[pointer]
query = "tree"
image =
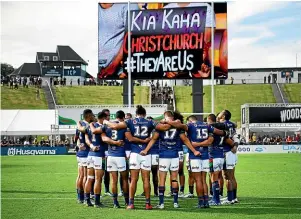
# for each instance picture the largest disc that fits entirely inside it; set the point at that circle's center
(6, 69)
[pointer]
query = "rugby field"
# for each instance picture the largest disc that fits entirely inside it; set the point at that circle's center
(269, 186)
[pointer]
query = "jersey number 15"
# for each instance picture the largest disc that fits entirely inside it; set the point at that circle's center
(202, 133)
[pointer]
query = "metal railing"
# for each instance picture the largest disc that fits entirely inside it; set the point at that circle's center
(280, 91)
(51, 92)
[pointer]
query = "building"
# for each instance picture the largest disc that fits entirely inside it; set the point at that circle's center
(65, 62)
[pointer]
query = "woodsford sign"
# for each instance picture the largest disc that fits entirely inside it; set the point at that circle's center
(275, 115)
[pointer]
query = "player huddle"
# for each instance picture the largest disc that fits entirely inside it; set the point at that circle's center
(140, 145)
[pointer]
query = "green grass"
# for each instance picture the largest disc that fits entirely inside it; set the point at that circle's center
(229, 97)
(44, 187)
(23, 98)
(96, 95)
(293, 92)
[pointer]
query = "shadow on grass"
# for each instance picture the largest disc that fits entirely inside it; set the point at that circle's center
(36, 192)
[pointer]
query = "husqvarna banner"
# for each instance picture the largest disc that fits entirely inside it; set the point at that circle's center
(275, 114)
(31, 150)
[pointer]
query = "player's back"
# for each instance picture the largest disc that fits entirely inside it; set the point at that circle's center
(97, 141)
(169, 141)
(82, 140)
(140, 128)
(198, 132)
(116, 135)
(216, 150)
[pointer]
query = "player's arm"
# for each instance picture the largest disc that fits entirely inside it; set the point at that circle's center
(116, 126)
(233, 144)
(150, 144)
(178, 125)
(188, 144)
(219, 132)
(108, 140)
(89, 143)
(133, 139)
(80, 127)
(205, 143)
(162, 127)
(94, 130)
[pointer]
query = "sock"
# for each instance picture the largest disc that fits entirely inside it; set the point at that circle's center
(78, 194)
(147, 201)
(115, 199)
(82, 195)
(131, 201)
(221, 191)
(161, 194)
(215, 188)
(126, 198)
(97, 199)
(191, 189)
(92, 192)
(87, 197)
(182, 189)
(201, 200)
(230, 195)
(234, 193)
(206, 199)
(175, 192)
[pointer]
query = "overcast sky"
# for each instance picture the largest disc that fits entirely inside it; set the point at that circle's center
(261, 34)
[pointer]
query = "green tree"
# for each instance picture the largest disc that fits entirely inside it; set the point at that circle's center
(6, 69)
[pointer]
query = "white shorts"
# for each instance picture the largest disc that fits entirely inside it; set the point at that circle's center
(155, 159)
(218, 164)
(231, 160)
(195, 165)
(187, 160)
(138, 162)
(166, 164)
(181, 156)
(106, 153)
(94, 162)
(205, 166)
(81, 161)
(116, 164)
(127, 154)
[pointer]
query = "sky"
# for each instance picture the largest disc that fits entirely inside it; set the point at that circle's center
(261, 34)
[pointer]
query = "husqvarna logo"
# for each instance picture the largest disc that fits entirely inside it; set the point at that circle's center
(11, 151)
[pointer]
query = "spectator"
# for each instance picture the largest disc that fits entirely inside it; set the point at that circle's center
(38, 94)
(269, 79)
(51, 81)
(264, 79)
(290, 79)
(232, 80)
(254, 139)
(289, 139)
(71, 82)
(298, 138)
(42, 142)
(4, 142)
(65, 81)
(78, 81)
(26, 143)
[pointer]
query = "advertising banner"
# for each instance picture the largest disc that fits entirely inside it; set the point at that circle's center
(72, 71)
(31, 150)
(275, 114)
(70, 115)
(254, 149)
(54, 72)
(167, 41)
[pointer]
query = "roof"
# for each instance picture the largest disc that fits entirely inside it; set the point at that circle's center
(264, 69)
(24, 122)
(40, 55)
(66, 53)
(28, 69)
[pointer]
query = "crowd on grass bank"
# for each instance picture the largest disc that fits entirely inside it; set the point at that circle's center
(33, 141)
(256, 139)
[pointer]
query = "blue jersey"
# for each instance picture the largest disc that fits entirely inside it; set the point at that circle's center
(180, 145)
(199, 132)
(97, 142)
(140, 128)
(169, 141)
(231, 128)
(82, 141)
(155, 148)
(116, 135)
(216, 150)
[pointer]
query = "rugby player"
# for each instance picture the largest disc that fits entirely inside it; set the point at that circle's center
(199, 132)
(230, 158)
(82, 153)
(116, 161)
(95, 160)
(169, 156)
(138, 133)
(107, 174)
(216, 157)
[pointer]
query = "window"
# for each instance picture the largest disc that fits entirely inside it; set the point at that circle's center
(46, 58)
(55, 58)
